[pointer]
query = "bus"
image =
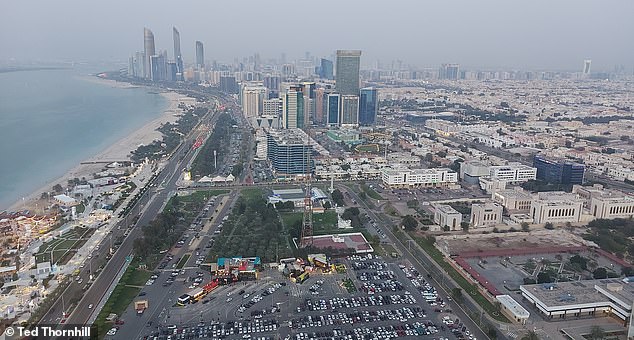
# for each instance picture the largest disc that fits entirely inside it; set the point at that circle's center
(184, 299)
(302, 277)
(196, 294)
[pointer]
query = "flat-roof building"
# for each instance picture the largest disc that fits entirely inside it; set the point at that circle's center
(556, 207)
(486, 214)
(558, 171)
(512, 309)
(582, 298)
(288, 151)
(446, 216)
(406, 178)
(514, 201)
(513, 173)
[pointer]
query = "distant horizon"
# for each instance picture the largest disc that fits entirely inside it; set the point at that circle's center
(60, 63)
(497, 34)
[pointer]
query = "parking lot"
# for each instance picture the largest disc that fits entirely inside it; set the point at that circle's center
(390, 299)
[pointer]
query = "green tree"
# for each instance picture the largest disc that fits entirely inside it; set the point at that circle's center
(412, 203)
(549, 226)
(429, 157)
(531, 335)
(525, 226)
(327, 205)
(363, 195)
(58, 188)
(544, 277)
(596, 333)
(337, 198)
(409, 222)
(456, 294)
(464, 226)
(600, 273)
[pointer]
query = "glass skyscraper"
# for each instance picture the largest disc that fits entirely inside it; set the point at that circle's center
(293, 107)
(326, 69)
(349, 111)
(333, 105)
(148, 46)
(178, 57)
(347, 78)
(368, 106)
(558, 171)
(200, 55)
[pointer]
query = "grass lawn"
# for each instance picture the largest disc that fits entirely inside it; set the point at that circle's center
(122, 295)
(70, 241)
(349, 286)
(323, 223)
(368, 148)
(370, 192)
(251, 193)
(183, 260)
(138, 277)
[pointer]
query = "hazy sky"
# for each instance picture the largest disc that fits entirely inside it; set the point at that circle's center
(535, 34)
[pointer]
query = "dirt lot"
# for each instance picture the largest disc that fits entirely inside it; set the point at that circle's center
(454, 244)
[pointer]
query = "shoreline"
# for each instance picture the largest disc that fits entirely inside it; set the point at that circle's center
(118, 151)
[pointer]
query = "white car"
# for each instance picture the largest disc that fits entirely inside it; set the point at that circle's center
(112, 331)
(90, 306)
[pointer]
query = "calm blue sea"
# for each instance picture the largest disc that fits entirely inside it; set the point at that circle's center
(52, 120)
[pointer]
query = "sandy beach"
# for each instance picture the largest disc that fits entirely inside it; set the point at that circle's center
(118, 151)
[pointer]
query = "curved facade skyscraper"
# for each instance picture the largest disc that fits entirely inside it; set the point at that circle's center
(148, 46)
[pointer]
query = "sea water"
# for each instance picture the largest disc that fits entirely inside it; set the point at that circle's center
(51, 120)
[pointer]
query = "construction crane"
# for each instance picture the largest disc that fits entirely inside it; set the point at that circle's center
(306, 239)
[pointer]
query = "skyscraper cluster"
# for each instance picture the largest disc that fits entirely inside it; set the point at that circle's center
(294, 95)
(156, 66)
(316, 101)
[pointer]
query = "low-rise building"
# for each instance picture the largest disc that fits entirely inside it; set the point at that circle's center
(513, 200)
(407, 178)
(65, 200)
(486, 214)
(612, 205)
(512, 309)
(513, 173)
(446, 216)
(556, 207)
(607, 297)
(471, 171)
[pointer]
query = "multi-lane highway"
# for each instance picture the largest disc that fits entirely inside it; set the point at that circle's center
(149, 206)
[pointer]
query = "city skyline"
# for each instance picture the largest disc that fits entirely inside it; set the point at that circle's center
(543, 37)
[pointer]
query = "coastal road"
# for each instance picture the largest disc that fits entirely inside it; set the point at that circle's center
(160, 298)
(421, 262)
(157, 196)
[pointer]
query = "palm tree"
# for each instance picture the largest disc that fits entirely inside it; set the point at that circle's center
(531, 335)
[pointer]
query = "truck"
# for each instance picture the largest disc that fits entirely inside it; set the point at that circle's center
(140, 306)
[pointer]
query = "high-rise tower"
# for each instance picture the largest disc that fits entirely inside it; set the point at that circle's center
(368, 106)
(347, 77)
(178, 57)
(586, 67)
(200, 55)
(148, 47)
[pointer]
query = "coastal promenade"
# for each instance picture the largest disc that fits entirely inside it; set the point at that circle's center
(147, 207)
